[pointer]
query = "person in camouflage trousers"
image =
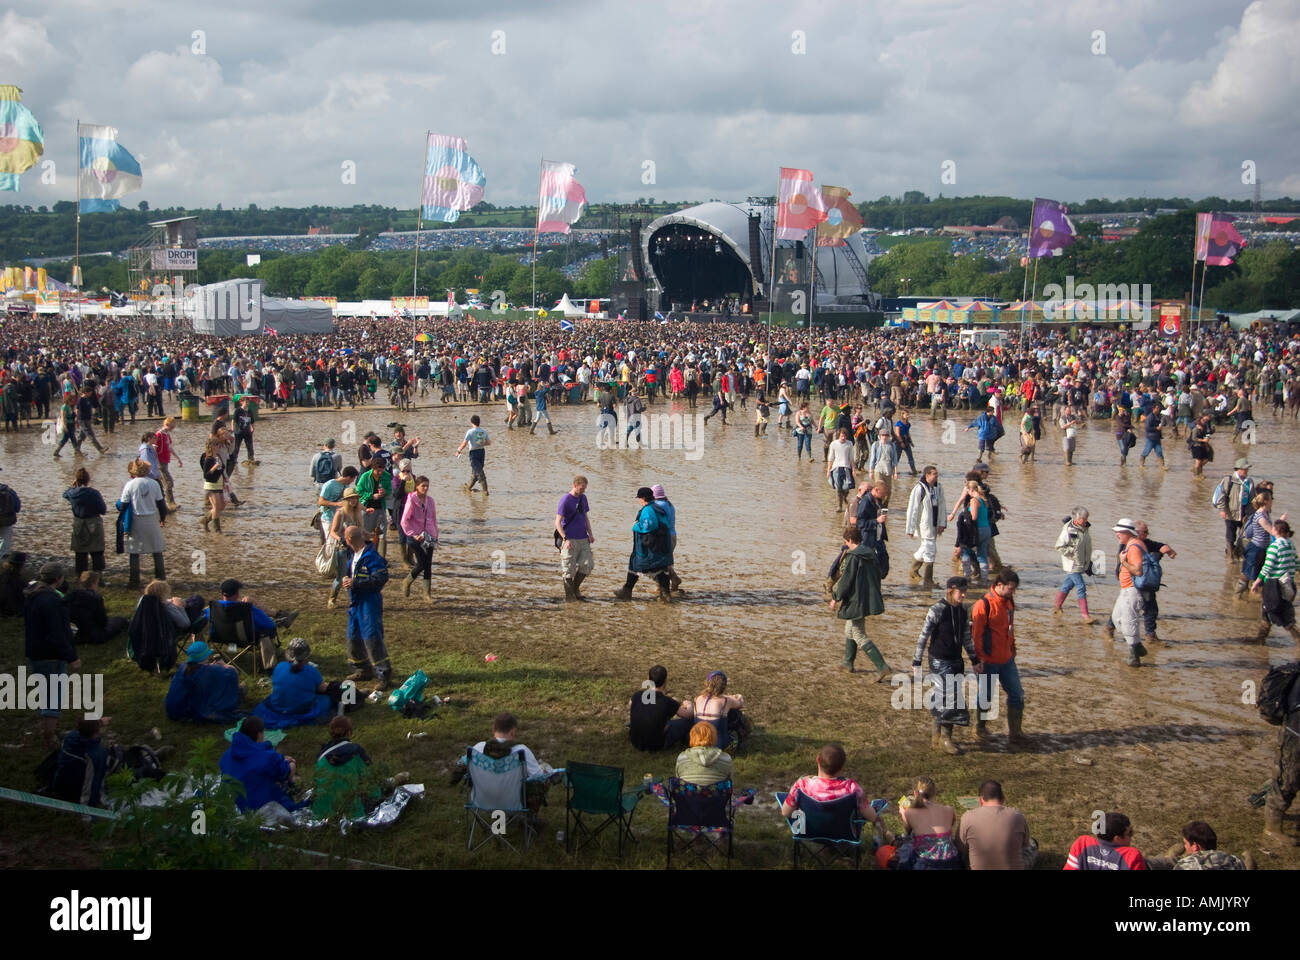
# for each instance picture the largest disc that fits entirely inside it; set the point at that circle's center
(1198, 850)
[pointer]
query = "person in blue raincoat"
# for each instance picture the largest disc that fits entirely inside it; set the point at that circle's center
(990, 429)
(264, 774)
(202, 690)
(365, 578)
(652, 547)
(297, 691)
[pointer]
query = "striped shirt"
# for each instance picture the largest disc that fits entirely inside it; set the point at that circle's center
(1280, 561)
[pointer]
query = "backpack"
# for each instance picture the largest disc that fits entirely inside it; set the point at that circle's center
(1275, 692)
(8, 507)
(999, 431)
(325, 468)
(967, 533)
(1149, 578)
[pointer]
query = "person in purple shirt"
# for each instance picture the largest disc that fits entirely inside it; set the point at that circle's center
(574, 536)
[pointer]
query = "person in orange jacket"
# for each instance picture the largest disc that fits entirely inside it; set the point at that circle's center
(993, 632)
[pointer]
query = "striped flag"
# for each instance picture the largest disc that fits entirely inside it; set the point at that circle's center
(453, 180)
(1217, 240)
(800, 206)
(561, 199)
(21, 140)
(106, 170)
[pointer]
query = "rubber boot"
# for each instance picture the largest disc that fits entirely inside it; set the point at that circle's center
(928, 579)
(982, 730)
(1060, 599)
(623, 593)
(568, 589)
(550, 429)
(1273, 826)
(877, 661)
(134, 566)
(1015, 732)
(936, 736)
(485, 488)
(407, 584)
(1265, 629)
(947, 743)
(216, 524)
(850, 654)
(577, 582)
(1083, 611)
(428, 590)
(665, 594)
(334, 597)
(915, 572)
(383, 673)
(207, 521)
(533, 431)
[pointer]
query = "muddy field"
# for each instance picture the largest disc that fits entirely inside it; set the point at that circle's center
(1166, 743)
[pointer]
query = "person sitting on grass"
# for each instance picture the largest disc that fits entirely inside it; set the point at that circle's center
(88, 613)
(930, 828)
(1111, 849)
(714, 705)
(343, 775)
(82, 765)
(204, 688)
(264, 774)
(298, 691)
(702, 763)
(829, 785)
(656, 720)
(1199, 850)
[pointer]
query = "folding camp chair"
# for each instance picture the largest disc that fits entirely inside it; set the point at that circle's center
(231, 624)
(829, 830)
(595, 791)
(700, 820)
(497, 798)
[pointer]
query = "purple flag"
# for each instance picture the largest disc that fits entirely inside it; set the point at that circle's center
(1050, 230)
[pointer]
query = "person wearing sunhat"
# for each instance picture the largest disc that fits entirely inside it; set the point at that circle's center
(1232, 497)
(1127, 613)
(204, 689)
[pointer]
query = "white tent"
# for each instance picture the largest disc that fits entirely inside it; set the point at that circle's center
(569, 309)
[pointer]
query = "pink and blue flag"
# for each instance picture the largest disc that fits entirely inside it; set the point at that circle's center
(1050, 230)
(1217, 240)
(561, 199)
(21, 140)
(453, 180)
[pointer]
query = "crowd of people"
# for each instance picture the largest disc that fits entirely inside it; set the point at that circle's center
(869, 385)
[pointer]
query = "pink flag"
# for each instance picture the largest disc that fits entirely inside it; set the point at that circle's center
(801, 206)
(561, 199)
(1217, 240)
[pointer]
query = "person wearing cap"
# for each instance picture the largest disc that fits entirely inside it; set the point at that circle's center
(1127, 612)
(651, 548)
(366, 574)
(326, 464)
(298, 691)
(1232, 498)
(266, 627)
(49, 646)
(349, 513)
(662, 500)
(946, 631)
(203, 689)
(882, 463)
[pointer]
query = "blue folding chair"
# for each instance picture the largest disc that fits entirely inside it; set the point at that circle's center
(832, 830)
(497, 798)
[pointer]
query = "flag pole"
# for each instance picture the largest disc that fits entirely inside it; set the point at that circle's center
(419, 221)
(1200, 304)
(76, 256)
(1028, 236)
(812, 278)
(771, 287)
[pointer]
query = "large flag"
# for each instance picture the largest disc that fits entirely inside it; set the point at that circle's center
(842, 218)
(1050, 230)
(561, 199)
(453, 181)
(107, 171)
(21, 140)
(1217, 240)
(800, 206)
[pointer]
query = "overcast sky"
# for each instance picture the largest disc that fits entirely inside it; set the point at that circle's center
(1111, 98)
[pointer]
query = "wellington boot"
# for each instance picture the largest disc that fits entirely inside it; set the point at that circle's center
(533, 431)
(216, 524)
(577, 582)
(623, 593)
(568, 590)
(949, 747)
(334, 598)
(1273, 828)
(928, 579)
(982, 731)
(850, 654)
(428, 590)
(936, 736)
(207, 521)
(877, 661)
(550, 429)
(407, 584)
(1083, 611)
(1015, 732)
(915, 572)
(1060, 599)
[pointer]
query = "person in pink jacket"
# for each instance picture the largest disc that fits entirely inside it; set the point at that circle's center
(420, 524)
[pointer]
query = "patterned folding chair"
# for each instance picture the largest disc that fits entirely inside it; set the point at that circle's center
(829, 831)
(497, 799)
(701, 820)
(597, 792)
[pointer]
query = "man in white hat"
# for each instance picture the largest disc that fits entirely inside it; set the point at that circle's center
(1127, 612)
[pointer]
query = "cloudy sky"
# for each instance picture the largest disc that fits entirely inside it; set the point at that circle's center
(265, 102)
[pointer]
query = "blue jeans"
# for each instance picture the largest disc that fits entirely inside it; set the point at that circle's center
(1009, 676)
(1152, 446)
(1123, 447)
(1074, 580)
(1251, 561)
(803, 441)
